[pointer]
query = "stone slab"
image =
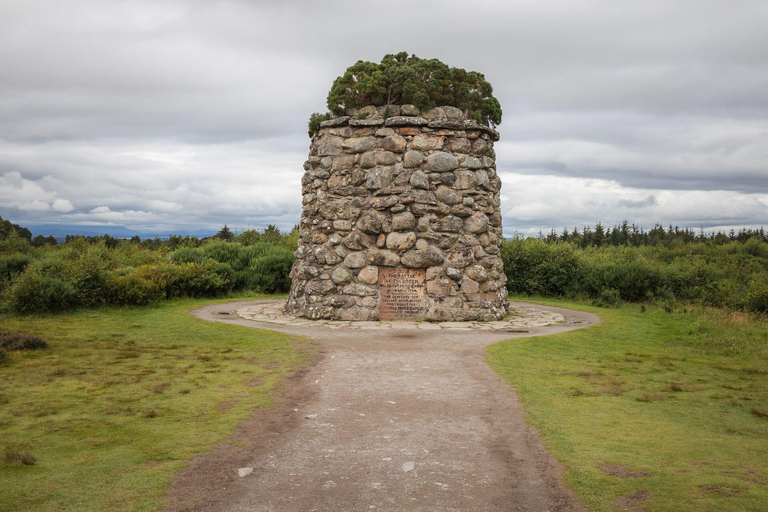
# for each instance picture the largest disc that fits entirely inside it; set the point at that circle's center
(402, 293)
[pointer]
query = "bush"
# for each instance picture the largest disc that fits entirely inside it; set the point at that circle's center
(634, 281)
(426, 83)
(226, 252)
(535, 268)
(187, 255)
(133, 289)
(33, 293)
(88, 277)
(187, 280)
(608, 298)
(15, 340)
(756, 296)
(11, 264)
(270, 271)
(314, 122)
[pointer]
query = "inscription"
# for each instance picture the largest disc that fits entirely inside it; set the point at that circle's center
(401, 293)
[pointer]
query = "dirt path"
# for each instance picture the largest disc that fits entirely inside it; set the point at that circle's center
(387, 419)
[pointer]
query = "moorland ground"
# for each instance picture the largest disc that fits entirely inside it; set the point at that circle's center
(123, 398)
(661, 407)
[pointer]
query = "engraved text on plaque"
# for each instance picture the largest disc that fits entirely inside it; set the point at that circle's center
(401, 293)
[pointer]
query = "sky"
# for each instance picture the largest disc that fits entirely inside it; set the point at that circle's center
(173, 116)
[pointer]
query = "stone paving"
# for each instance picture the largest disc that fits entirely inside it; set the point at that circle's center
(519, 319)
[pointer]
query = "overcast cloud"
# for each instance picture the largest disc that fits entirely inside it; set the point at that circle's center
(168, 116)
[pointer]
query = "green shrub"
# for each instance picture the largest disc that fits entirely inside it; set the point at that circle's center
(226, 252)
(33, 293)
(188, 255)
(188, 279)
(534, 268)
(133, 289)
(756, 247)
(11, 264)
(88, 277)
(427, 83)
(756, 296)
(635, 280)
(608, 298)
(270, 271)
(13, 243)
(314, 122)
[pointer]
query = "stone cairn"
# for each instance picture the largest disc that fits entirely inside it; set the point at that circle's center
(400, 219)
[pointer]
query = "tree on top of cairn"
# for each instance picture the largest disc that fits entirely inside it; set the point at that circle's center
(425, 83)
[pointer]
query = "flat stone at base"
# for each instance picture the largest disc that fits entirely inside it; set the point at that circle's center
(404, 325)
(455, 325)
(519, 321)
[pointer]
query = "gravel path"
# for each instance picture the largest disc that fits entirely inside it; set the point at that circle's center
(391, 417)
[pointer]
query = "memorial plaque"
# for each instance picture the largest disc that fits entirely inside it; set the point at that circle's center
(401, 293)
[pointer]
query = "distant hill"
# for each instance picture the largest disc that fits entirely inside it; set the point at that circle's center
(60, 231)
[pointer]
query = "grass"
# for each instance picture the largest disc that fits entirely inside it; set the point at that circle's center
(652, 409)
(123, 398)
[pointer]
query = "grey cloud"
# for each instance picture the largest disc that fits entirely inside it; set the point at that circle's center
(195, 113)
(628, 203)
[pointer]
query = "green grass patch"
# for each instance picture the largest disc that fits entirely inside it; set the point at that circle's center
(667, 411)
(123, 398)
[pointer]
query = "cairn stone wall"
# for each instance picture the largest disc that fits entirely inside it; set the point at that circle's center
(400, 219)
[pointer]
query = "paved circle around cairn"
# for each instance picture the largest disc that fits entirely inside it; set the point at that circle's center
(519, 318)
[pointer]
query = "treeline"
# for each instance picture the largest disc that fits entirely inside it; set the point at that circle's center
(731, 274)
(88, 272)
(609, 266)
(629, 234)
(271, 234)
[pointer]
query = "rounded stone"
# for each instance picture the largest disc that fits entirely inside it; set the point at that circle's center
(360, 290)
(477, 273)
(419, 180)
(403, 221)
(426, 142)
(355, 260)
(368, 160)
(440, 161)
(384, 132)
(341, 276)
(359, 144)
(370, 223)
(465, 180)
(413, 159)
(342, 225)
(469, 286)
(369, 275)
(423, 258)
(471, 162)
(383, 258)
(394, 143)
(476, 223)
(328, 145)
(385, 158)
(447, 195)
(453, 273)
(451, 224)
(459, 145)
(482, 178)
(401, 241)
